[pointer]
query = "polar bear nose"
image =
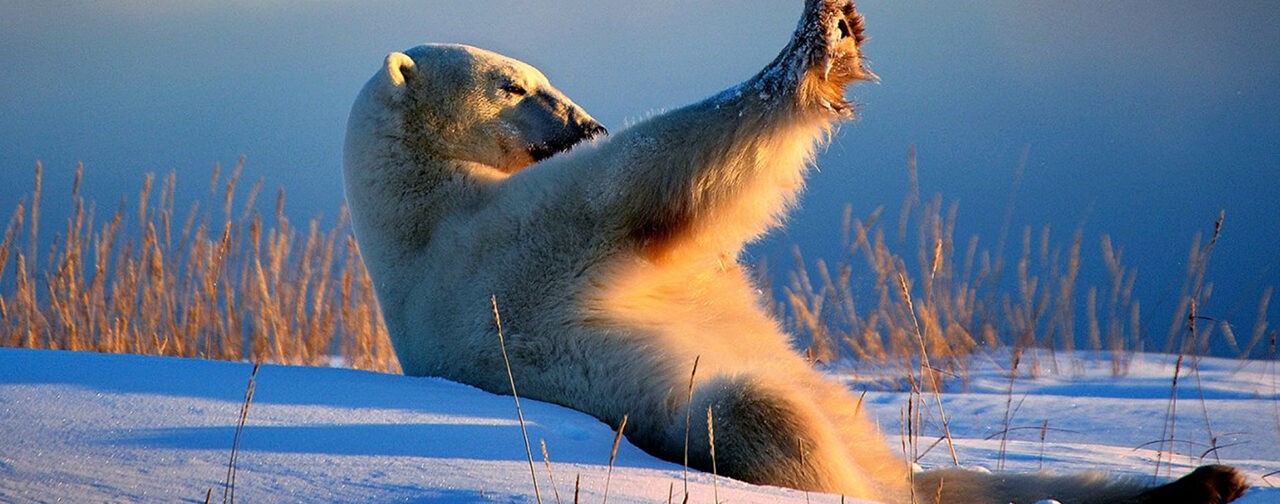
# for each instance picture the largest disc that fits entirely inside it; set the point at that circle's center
(578, 131)
(587, 126)
(592, 129)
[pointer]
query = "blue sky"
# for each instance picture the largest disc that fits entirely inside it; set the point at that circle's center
(1139, 119)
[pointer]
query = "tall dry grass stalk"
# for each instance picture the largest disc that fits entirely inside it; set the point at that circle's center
(613, 456)
(220, 285)
(711, 442)
(229, 484)
(927, 370)
(551, 474)
(688, 418)
(524, 431)
(1192, 343)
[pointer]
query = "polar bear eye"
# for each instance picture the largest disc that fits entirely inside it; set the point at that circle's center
(515, 89)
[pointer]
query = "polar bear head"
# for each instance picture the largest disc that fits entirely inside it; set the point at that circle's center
(433, 128)
(461, 103)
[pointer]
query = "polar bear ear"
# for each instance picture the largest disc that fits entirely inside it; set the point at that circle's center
(400, 68)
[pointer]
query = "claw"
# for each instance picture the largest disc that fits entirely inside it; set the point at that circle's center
(823, 57)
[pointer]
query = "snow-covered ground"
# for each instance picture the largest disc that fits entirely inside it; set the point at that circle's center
(77, 427)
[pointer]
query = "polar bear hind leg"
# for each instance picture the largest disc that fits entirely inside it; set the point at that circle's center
(772, 432)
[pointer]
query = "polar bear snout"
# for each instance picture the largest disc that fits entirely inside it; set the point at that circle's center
(552, 124)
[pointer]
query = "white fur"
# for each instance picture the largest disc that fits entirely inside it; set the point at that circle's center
(614, 267)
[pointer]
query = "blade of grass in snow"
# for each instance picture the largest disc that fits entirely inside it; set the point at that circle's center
(497, 319)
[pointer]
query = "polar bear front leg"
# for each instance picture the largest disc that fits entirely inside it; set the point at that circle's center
(702, 180)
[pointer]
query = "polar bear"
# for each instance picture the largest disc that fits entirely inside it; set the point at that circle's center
(613, 264)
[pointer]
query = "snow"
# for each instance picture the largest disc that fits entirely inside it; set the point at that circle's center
(80, 427)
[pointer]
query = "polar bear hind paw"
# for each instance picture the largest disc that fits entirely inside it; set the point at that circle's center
(1210, 484)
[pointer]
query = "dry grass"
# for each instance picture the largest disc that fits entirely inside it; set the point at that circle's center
(524, 431)
(688, 412)
(551, 474)
(217, 285)
(229, 484)
(873, 305)
(613, 456)
(711, 441)
(227, 282)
